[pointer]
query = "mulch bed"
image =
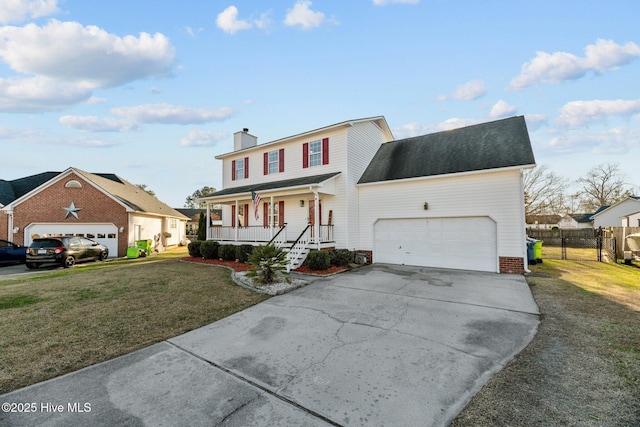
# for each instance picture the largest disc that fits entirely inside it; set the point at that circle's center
(238, 266)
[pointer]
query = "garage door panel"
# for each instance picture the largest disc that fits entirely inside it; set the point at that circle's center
(462, 243)
(106, 234)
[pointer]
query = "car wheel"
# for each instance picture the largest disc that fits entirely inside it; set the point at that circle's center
(32, 265)
(103, 255)
(69, 262)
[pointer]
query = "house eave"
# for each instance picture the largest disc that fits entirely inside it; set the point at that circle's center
(448, 175)
(346, 124)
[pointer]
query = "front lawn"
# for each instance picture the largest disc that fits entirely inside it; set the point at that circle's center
(65, 320)
(583, 366)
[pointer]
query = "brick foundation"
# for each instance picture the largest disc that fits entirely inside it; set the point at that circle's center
(511, 265)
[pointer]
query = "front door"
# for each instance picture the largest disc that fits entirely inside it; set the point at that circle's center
(312, 211)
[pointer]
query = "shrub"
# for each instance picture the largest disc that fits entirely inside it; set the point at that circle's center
(209, 249)
(227, 252)
(243, 252)
(269, 261)
(318, 260)
(341, 257)
(194, 249)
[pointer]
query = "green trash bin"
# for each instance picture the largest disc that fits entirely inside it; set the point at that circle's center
(537, 250)
(144, 245)
(133, 252)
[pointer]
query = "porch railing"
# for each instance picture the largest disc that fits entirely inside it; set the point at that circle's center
(263, 234)
(243, 234)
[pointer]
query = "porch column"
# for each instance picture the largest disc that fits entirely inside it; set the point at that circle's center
(208, 221)
(235, 221)
(316, 218)
(270, 218)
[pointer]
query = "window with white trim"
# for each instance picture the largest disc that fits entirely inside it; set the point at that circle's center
(239, 172)
(274, 162)
(315, 153)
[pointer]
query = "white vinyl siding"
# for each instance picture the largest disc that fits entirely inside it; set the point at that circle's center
(496, 195)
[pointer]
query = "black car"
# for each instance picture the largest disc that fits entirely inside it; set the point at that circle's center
(64, 250)
(11, 253)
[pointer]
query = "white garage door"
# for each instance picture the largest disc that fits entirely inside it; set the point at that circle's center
(107, 234)
(460, 243)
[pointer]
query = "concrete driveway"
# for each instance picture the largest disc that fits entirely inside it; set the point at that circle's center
(379, 346)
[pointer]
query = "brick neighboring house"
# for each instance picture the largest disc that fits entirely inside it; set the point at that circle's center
(103, 207)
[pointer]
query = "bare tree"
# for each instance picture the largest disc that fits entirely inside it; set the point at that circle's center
(603, 186)
(192, 200)
(544, 191)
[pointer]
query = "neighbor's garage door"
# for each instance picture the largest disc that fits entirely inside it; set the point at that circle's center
(107, 234)
(461, 243)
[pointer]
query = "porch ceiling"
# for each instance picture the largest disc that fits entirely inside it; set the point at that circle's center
(289, 186)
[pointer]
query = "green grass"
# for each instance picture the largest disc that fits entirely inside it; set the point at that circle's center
(17, 301)
(586, 285)
(64, 320)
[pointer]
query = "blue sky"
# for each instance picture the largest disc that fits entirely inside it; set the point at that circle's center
(154, 90)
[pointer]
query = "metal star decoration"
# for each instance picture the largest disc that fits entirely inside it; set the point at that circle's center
(72, 210)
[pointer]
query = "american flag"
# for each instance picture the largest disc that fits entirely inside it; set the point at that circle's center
(256, 203)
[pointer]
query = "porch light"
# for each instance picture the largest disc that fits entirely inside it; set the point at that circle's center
(302, 203)
(426, 206)
(16, 229)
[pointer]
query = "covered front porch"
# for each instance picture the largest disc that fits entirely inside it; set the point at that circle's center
(280, 212)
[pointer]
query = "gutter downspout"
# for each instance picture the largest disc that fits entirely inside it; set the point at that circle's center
(208, 221)
(316, 217)
(525, 258)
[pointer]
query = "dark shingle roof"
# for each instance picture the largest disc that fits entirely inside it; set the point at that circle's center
(295, 182)
(498, 144)
(582, 217)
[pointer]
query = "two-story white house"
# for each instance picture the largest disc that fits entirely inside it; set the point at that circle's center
(452, 199)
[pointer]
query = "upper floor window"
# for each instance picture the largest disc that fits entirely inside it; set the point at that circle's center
(274, 161)
(315, 153)
(240, 169)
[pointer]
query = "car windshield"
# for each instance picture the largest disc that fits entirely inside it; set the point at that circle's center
(46, 243)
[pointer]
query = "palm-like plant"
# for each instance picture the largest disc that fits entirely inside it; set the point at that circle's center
(269, 261)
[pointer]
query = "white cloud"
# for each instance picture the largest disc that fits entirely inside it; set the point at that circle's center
(416, 129)
(535, 121)
(384, 2)
(302, 15)
(618, 140)
(87, 55)
(577, 113)
(502, 109)
(172, 114)
(228, 21)
(69, 61)
(12, 11)
(468, 91)
(202, 138)
(39, 94)
(554, 68)
(97, 124)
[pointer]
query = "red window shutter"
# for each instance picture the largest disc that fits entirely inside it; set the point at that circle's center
(281, 213)
(265, 214)
(246, 215)
(281, 160)
(246, 167)
(233, 170)
(305, 155)
(265, 166)
(233, 215)
(325, 151)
